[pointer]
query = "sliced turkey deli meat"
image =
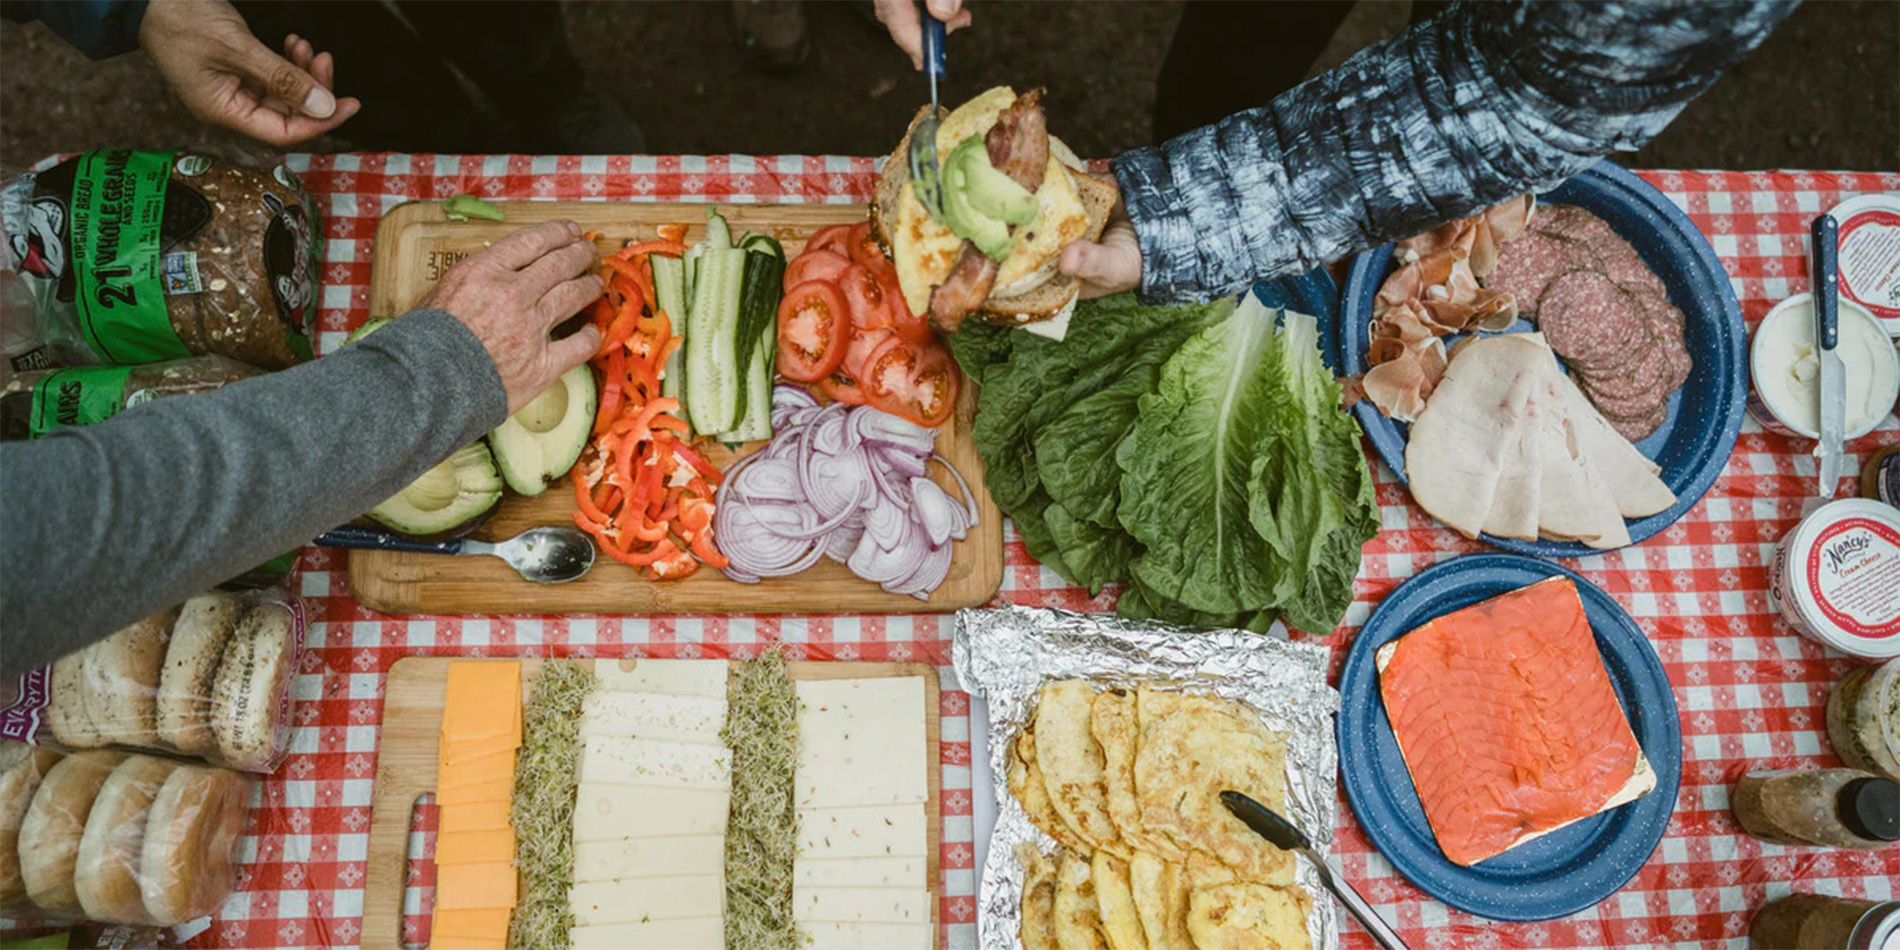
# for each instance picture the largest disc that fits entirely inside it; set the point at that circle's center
(1509, 446)
(1508, 723)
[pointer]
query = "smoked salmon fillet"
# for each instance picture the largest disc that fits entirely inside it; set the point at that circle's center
(1507, 721)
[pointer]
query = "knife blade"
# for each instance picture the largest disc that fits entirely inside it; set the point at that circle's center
(1825, 238)
(1286, 836)
(925, 177)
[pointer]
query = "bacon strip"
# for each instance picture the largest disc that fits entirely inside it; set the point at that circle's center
(1018, 146)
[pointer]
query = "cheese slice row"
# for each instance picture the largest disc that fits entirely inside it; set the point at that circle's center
(651, 808)
(476, 886)
(861, 878)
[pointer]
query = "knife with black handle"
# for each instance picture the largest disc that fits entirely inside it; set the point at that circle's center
(1825, 241)
(1282, 834)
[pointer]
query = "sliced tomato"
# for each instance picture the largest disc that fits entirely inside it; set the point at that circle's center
(821, 264)
(910, 326)
(857, 354)
(918, 382)
(840, 389)
(813, 331)
(836, 237)
(865, 299)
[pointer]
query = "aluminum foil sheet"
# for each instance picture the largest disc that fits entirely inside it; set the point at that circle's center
(1007, 654)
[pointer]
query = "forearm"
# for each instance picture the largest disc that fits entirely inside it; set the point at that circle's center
(102, 525)
(1450, 117)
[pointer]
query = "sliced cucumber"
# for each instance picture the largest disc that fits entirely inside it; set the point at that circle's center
(669, 284)
(718, 233)
(763, 244)
(756, 422)
(713, 375)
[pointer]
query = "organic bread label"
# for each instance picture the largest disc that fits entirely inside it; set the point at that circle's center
(118, 206)
(76, 397)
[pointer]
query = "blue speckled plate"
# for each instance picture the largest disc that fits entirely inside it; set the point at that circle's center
(1562, 872)
(1694, 443)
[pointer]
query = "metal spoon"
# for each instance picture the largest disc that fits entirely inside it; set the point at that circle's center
(1282, 834)
(545, 555)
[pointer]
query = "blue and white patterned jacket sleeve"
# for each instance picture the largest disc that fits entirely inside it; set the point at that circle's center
(1458, 113)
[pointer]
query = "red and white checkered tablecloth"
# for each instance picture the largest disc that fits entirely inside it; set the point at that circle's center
(1750, 691)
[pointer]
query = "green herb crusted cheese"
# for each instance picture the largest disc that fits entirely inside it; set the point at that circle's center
(762, 827)
(546, 775)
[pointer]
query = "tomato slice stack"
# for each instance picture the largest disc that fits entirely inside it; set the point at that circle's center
(844, 325)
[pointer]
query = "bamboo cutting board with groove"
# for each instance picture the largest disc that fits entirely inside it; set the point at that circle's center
(406, 770)
(415, 245)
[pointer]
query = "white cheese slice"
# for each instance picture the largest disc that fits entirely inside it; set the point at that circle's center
(630, 858)
(670, 677)
(875, 905)
(1055, 328)
(652, 762)
(678, 897)
(855, 936)
(906, 871)
(861, 742)
(699, 933)
(605, 812)
(871, 831)
(653, 716)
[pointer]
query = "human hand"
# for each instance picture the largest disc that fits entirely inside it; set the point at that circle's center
(1108, 267)
(226, 77)
(900, 17)
(511, 294)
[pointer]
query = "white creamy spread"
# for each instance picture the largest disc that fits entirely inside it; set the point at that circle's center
(1787, 367)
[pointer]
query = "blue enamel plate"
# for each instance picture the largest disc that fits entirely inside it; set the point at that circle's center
(1559, 873)
(1694, 442)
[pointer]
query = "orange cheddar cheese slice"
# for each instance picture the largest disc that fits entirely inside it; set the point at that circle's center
(496, 764)
(475, 847)
(489, 884)
(473, 816)
(479, 923)
(482, 706)
(493, 789)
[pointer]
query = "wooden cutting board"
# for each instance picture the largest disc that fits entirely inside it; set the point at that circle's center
(415, 245)
(406, 770)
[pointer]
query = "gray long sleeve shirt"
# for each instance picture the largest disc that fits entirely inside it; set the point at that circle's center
(102, 525)
(1458, 113)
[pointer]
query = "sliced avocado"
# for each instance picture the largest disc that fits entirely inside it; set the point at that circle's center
(542, 440)
(449, 500)
(990, 235)
(992, 193)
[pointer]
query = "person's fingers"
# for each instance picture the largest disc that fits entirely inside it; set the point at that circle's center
(567, 298)
(572, 351)
(1103, 269)
(900, 18)
(283, 81)
(275, 128)
(945, 10)
(561, 264)
(957, 22)
(527, 245)
(324, 68)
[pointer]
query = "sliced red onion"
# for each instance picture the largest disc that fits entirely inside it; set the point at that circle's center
(935, 511)
(881, 565)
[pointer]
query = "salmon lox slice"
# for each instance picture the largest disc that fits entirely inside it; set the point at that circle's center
(1507, 721)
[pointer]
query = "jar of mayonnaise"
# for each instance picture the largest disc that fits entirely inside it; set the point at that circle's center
(1785, 368)
(1836, 577)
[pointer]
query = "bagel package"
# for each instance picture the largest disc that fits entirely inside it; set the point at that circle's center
(209, 679)
(117, 837)
(136, 257)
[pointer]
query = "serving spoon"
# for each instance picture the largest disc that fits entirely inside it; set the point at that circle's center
(550, 554)
(1283, 834)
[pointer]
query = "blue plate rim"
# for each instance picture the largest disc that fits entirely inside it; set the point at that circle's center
(1711, 452)
(1362, 710)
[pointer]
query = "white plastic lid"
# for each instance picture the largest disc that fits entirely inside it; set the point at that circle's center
(1844, 575)
(1870, 256)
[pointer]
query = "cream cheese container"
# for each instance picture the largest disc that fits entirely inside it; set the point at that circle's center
(1870, 256)
(1784, 368)
(1836, 577)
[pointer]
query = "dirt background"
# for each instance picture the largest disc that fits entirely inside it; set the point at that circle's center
(1824, 92)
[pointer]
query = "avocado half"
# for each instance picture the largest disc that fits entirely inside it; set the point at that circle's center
(449, 500)
(543, 439)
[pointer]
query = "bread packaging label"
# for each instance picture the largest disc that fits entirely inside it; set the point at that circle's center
(209, 679)
(136, 257)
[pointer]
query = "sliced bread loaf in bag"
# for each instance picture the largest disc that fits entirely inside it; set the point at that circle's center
(55, 825)
(107, 693)
(248, 698)
(205, 624)
(188, 863)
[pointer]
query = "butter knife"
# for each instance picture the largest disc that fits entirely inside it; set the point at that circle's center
(925, 177)
(1282, 834)
(1825, 238)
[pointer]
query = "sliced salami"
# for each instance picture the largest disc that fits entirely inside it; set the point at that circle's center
(1585, 316)
(1528, 265)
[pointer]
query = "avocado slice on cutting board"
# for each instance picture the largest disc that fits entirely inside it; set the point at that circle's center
(449, 500)
(542, 440)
